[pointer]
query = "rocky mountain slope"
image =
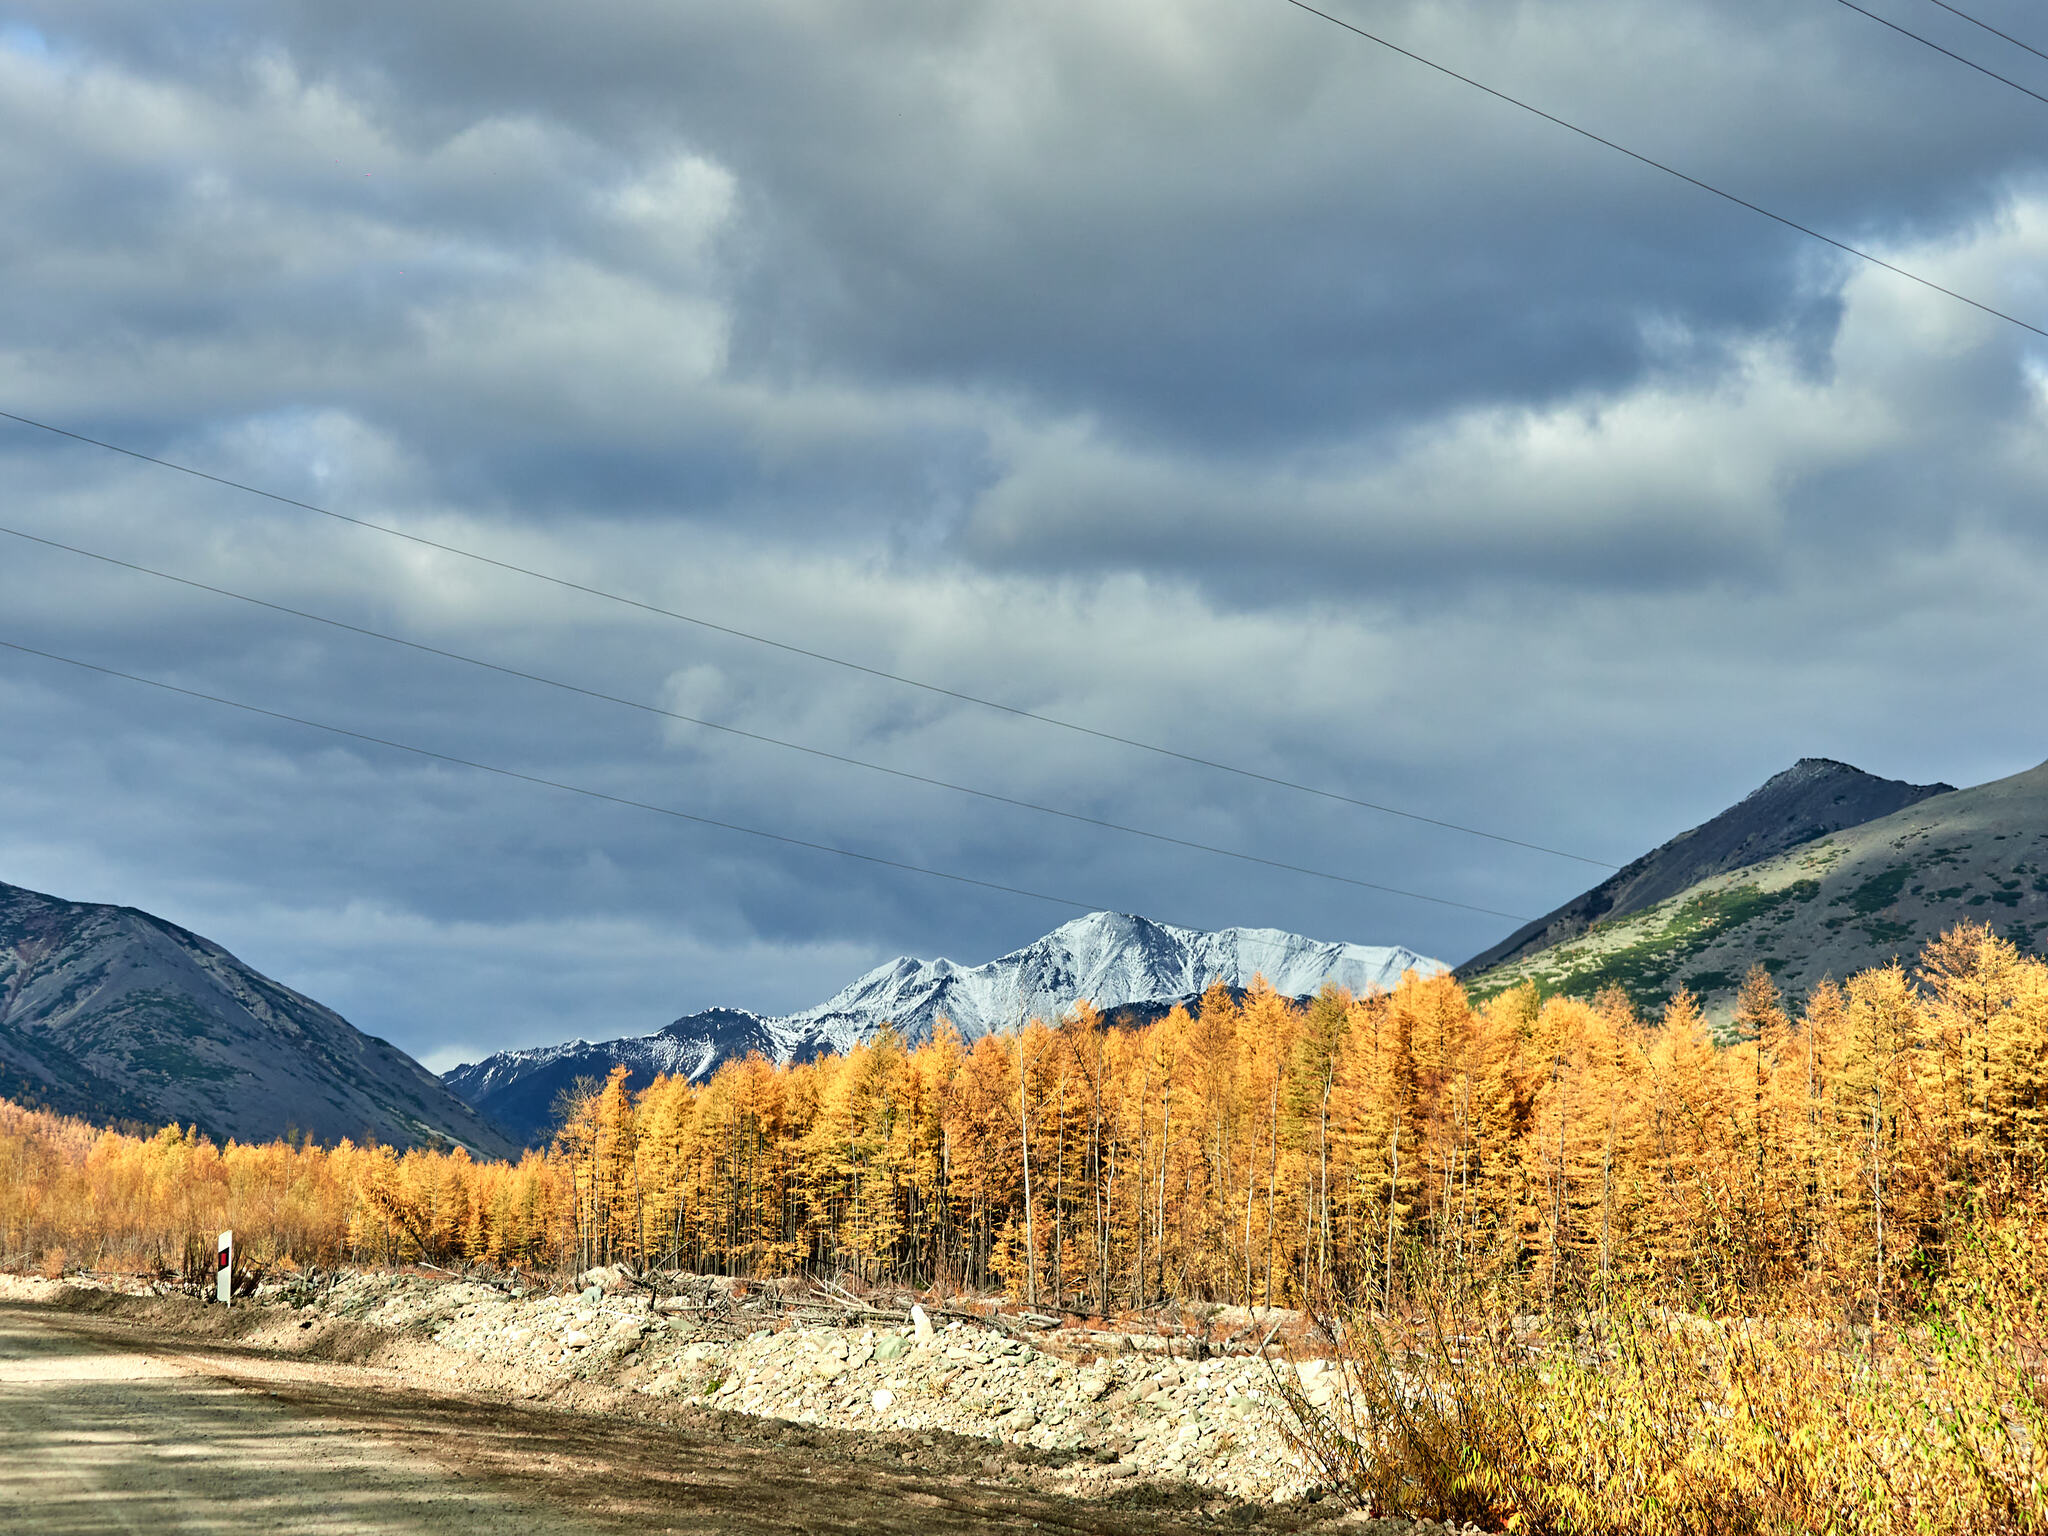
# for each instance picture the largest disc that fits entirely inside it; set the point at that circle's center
(1829, 906)
(112, 1014)
(1812, 798)
(1113, 960)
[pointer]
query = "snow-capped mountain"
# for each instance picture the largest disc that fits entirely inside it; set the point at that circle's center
(1113, 960)
(1107, 957)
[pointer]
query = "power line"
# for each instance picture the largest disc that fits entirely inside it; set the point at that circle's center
(713, 725)
(1670, 170)
(528, 778)
(1973, 21)
(1044, 719)
(798, 650)
(640, 805)
(1928, 42)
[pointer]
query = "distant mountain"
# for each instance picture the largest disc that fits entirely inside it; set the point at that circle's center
(114, 1015)
(1812, 798)
(1115, 961)
(518, 1090)
(1828, 906)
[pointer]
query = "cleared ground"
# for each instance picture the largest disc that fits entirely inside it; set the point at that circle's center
(111, 1425)
(98, 1436)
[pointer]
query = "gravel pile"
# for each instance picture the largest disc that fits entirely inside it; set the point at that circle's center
(1218, 1424)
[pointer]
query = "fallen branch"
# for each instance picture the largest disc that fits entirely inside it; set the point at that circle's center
(995, 1322)
(1271, 1334)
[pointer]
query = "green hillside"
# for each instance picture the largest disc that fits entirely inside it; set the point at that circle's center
(1852, 899)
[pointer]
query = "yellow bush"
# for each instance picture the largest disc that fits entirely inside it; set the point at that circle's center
(1634, 1419)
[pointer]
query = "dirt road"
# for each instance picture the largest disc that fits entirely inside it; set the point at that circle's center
(107, 1425)
(100, 1436)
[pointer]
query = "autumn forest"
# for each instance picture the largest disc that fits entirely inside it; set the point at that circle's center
(1253, 1150)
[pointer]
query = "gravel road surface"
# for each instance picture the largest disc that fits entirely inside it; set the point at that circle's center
(98, 1435)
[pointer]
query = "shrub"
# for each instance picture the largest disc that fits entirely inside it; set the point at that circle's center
(1636, 1419)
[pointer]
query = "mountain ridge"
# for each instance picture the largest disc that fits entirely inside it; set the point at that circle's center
(1115, 960)
(114, 1014)
(1809, 800)
(1857, 897)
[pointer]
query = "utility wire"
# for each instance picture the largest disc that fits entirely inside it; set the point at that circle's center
(1929, 42)
(1669, 170)
(1973, 21)
(798, 650)
(528, 778)
(713, 725)
(1372, 37)
(640, 805)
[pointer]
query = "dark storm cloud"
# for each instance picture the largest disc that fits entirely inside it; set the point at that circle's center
(1205, 223)
(1193, 371)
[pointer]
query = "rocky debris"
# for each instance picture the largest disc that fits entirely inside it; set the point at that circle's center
(1101, 1421)
(1217, 1423)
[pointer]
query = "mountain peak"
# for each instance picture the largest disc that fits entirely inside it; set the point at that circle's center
(1115, 960)
(1111, 958)
(1874, 890)
(112, 1013)
(1805, 771)
(1809, 800)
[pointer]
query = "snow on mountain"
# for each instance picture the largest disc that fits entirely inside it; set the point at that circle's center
(1107, 957)
(1111, 959)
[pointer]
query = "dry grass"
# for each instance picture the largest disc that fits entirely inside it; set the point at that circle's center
(1632, 1419)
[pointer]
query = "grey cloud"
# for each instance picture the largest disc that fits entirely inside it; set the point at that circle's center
(1238, 229)
(1184, 371)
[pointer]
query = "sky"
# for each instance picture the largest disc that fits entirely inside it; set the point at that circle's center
(1190, 371)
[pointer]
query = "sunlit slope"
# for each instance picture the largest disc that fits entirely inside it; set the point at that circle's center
(1852, 899)
(1812, 798)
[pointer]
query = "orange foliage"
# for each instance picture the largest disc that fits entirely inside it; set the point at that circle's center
(1251, 1151)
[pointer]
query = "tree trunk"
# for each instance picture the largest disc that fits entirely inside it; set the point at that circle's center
(1024, 1133)
(1393, 1197)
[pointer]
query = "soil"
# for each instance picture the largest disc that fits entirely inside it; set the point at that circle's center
(363, 1428)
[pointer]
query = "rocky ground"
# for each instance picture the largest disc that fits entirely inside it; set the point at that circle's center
(1105, 1408)
(1089, 1413)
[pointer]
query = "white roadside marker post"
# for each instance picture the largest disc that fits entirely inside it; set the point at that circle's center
(224, 1270)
